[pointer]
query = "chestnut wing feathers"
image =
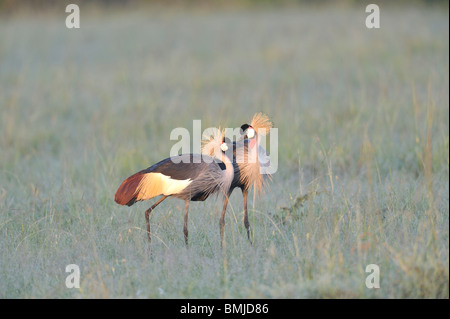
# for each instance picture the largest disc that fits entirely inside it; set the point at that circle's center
(184, 176)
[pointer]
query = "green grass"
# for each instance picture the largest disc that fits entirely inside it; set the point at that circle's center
(363, 119)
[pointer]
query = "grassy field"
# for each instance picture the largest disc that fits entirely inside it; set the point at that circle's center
(363, 120)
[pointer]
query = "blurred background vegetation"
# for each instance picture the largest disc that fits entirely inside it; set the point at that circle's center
(10, 6)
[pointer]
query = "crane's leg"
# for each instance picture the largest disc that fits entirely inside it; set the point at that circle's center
(185, 223)
(147, 215)
(222, 219)
(246, 223)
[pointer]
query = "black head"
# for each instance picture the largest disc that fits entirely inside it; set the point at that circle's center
(226, 140)
(248, 131)
(244, 127)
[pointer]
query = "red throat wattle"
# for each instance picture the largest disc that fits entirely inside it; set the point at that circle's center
(252, 142)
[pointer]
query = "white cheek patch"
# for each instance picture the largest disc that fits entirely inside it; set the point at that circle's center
(224, 147)
(250, 133)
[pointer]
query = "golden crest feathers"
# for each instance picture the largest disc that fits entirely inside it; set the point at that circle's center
(261, 123)
(212, 141)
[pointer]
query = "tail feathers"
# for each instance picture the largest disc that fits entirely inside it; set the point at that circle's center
(128, 192)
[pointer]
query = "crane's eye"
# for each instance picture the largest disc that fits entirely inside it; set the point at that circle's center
(250, 132)
(224, 147)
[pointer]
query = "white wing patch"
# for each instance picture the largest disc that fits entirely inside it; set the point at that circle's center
(154, 184)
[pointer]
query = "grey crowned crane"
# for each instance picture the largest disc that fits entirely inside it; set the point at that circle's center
(190, 177)
(249, 161)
